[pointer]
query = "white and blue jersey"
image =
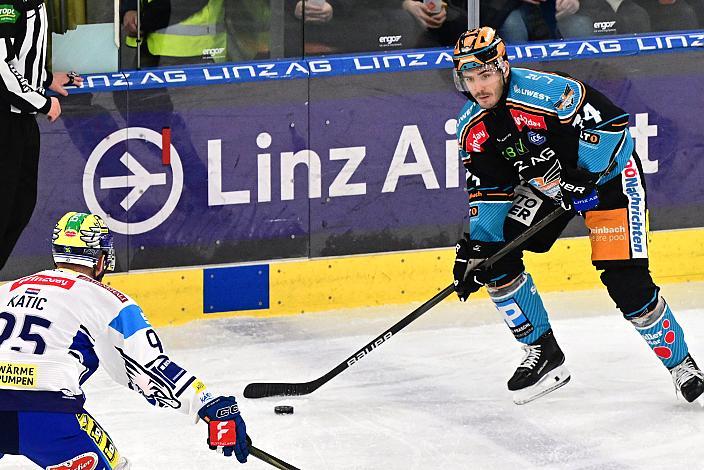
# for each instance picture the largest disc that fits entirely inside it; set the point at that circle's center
(58, 325)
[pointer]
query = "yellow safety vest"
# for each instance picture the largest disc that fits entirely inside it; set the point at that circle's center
(200, 35)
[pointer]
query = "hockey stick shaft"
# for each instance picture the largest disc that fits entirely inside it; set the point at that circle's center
(270, 459)
(260, 390)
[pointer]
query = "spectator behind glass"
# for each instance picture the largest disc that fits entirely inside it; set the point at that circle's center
(318, 27)
(531, 20)
(670, 15)
(176, 31)
(526, 20)
(572, 21)
(439, 28)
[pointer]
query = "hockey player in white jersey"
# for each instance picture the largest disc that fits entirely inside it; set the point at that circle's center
(56, 327)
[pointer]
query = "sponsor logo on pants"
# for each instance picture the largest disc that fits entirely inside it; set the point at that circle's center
(87, 461)
(515, 318)
(637, 223)
(608, 234)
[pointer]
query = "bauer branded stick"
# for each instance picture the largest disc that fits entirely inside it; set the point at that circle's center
(268, 458)
(260, 390)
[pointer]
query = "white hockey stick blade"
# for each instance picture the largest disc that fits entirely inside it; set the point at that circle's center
(553, 380)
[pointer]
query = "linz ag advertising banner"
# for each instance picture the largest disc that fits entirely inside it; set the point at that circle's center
(349, 164)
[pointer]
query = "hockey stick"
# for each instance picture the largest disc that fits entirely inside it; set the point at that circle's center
(260, 390)
(268, 458)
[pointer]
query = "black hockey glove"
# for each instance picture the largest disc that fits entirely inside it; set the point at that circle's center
(468, 254)
(578, 188)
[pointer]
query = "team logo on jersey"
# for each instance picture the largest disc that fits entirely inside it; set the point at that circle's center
(87, 461)
(549, 183)
(533, 121)
(149, 382)
(566, 99)
(476, 137)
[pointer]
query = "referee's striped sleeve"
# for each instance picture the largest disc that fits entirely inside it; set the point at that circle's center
(14, 88)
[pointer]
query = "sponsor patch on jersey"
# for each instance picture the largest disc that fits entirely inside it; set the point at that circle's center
(523, 119)
(87, 461)
(8, 14)
(16, 375)
(171, 371)
(123, 298)
(536, 139)
(42, 280)
(476, 137)
(198, 386)
(566, 100)
(591, 138)
(525, 206)
(608, 234)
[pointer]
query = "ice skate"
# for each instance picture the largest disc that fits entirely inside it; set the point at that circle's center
(689, 380)
(541, 371)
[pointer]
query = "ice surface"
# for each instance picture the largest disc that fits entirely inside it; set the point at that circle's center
(433, 397)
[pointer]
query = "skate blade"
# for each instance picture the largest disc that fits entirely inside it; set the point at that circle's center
(555, 379)
(700, 400)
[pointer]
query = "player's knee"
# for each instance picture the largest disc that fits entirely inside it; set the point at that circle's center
(650, 315)
(506, 287)
(632, 289)
(503, 272)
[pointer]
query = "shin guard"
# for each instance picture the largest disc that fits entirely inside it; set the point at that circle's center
(663, 334)
(522, 307)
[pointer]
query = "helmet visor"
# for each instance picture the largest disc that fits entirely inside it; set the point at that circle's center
(463, 78)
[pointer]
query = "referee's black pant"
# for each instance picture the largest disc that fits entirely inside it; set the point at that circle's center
(19, 165)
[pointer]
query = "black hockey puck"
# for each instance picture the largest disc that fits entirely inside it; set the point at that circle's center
(283, 410)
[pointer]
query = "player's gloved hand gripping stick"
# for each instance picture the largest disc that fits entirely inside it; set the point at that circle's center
(228, 433)
(259, 390)
(226, 428)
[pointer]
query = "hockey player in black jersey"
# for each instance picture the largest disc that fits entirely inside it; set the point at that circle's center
(532, 140)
